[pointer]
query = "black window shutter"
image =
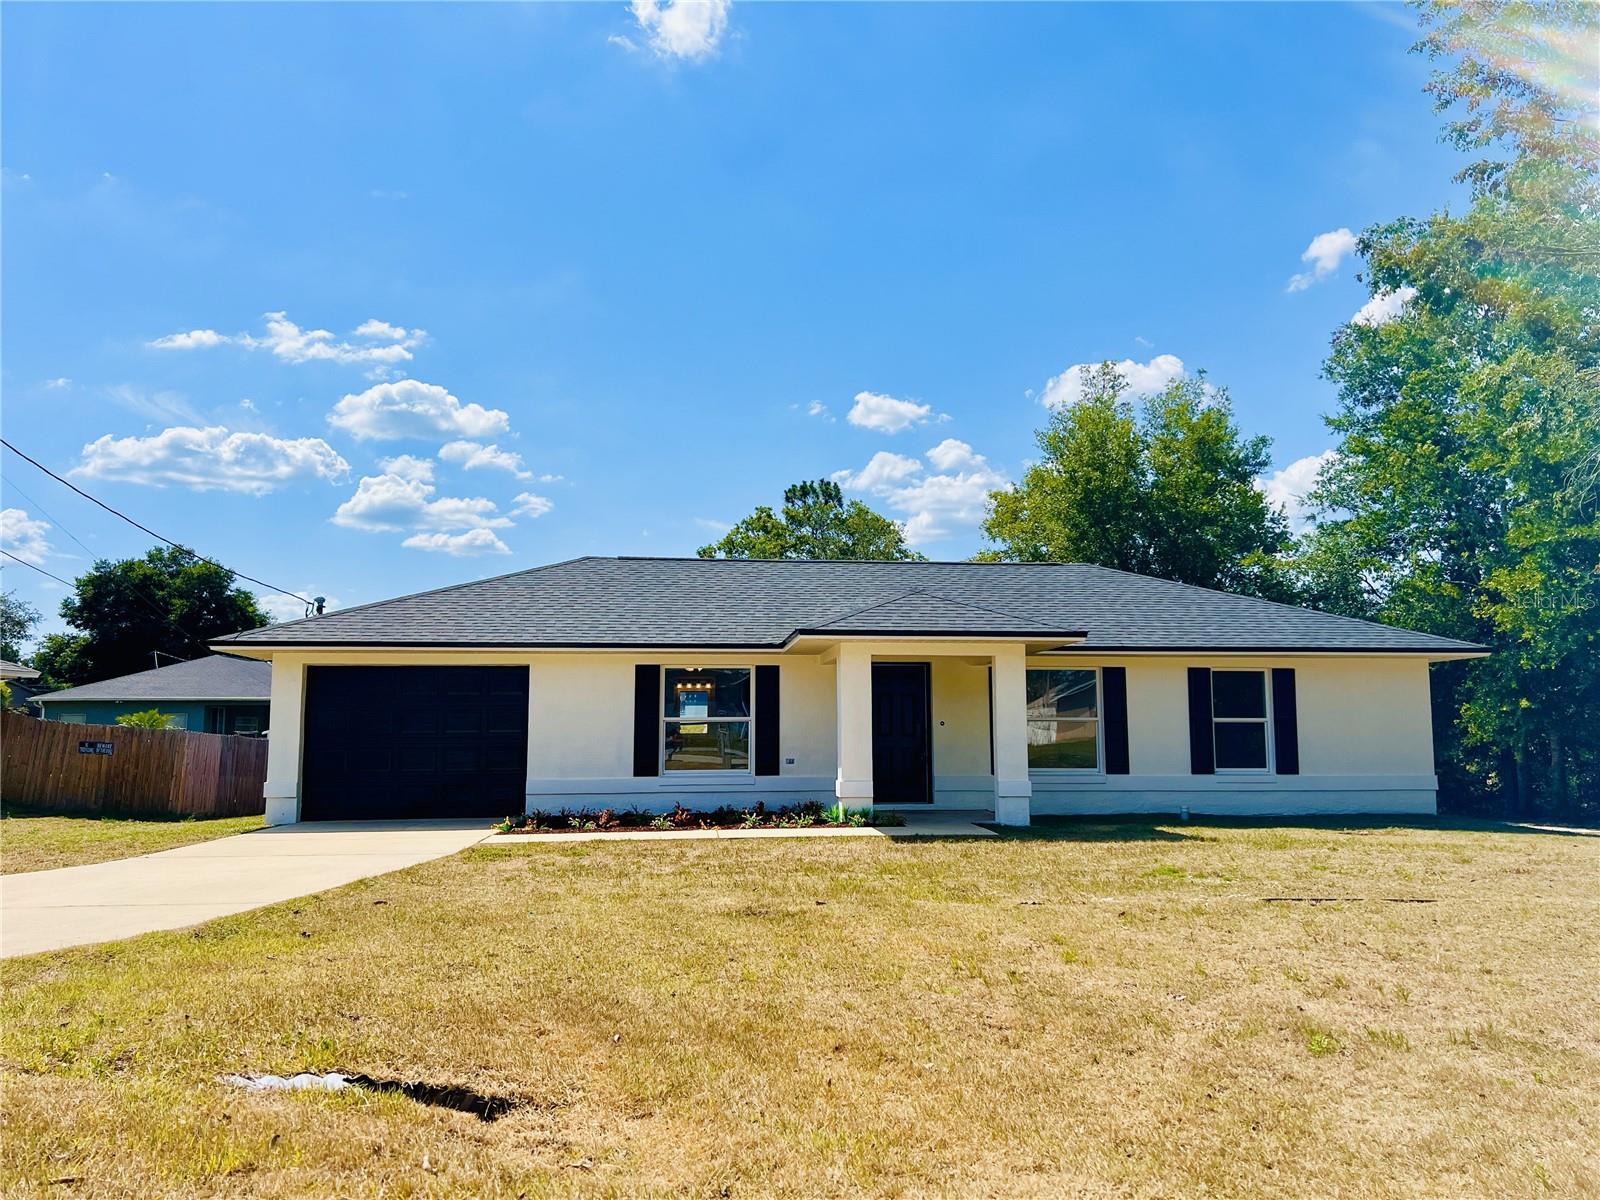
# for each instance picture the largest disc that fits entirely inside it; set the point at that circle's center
(647, 719)
(1285, 722)
(767, 721)
(1202, 754)
(1114, 683)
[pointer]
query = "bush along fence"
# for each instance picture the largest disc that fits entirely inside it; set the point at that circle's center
(111, 769)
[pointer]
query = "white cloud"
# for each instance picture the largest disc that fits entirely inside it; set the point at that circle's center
(57, 384)
(23, 536)
(872, 410)
(458, 545)
(286, 608)
(164, 407)
(1384, 306)
(392, 503)
(408, 466)
(1287, 488)
(1324, 254)
(409, 408)
(883, 470)
(687, 29)
(195, 339)
(211, 459)
(711, 525)
(1066, 389)
(374, 328)
(473, 456)
(933, 506)
(953, 454)
(818, 409)
(292, 344)
(527, 504)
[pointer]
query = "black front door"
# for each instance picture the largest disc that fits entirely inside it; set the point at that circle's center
(902, 746)
(414, 742)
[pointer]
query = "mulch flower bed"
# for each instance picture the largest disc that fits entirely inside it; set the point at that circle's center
(606, 820)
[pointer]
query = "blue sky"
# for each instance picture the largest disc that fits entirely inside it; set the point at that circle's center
(560, 280)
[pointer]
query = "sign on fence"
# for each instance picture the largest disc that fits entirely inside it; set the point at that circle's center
(58, 767)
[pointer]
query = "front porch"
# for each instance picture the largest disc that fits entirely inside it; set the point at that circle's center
(925, 726)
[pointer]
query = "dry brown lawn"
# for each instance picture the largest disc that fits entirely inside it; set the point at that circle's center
(39, 841)
(1110, 1010)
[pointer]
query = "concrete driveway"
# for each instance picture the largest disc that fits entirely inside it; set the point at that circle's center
(74, 906)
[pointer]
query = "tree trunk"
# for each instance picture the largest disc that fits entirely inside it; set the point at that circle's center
(1558, 774)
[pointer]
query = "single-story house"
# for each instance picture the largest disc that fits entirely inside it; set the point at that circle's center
(12, 672)
(1013, 687)
(216, 694)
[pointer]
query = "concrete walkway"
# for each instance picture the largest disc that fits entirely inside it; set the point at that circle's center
(74, 906)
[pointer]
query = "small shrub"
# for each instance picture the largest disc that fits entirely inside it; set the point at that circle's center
(150, 718)
(1319, 1042)
(661, 821)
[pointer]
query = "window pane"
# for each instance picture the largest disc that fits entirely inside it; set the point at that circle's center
(718, 746)
(1053, 744)
(1061, 694)
(1238, 694)
(1241, 745)
(712, 692)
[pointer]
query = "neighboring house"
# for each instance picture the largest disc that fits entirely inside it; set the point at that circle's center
(1021, 688)
(23, 683)
(217, 694)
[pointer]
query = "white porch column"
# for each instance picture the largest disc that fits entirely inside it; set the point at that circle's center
(853, 711)
(1013, 793)
(282, 789)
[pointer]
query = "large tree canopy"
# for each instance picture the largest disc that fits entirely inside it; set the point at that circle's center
(1462, 499)
(168, 601)
(1168, 490)
(816, 522)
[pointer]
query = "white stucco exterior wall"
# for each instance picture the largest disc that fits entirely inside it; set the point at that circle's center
(1365, 736)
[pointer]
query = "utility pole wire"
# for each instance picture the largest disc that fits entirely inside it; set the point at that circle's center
(146, 529)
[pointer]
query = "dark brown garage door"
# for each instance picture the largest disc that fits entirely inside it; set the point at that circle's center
(391, 742)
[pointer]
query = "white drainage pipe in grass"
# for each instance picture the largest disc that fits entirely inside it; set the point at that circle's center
(304, 1082)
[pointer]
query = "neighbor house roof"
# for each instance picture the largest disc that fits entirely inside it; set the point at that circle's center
(760, 604)
(11, 670)
(216, 677)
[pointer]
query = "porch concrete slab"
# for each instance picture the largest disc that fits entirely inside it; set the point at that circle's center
(76, 906)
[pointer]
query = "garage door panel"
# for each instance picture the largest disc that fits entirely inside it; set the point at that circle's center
(386, 742)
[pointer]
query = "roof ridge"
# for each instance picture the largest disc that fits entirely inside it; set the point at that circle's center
(854, 612)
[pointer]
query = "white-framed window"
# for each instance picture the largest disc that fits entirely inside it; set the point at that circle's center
(1240, 738)
(73, 718)
(177, 720)
(1064, 719)
(706, 717)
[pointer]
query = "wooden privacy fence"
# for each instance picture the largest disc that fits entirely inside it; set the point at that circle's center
(115, 770)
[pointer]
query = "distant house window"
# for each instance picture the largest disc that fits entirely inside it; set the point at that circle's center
(1239, 719)
(177, 720)
(247, 725)
(73, 718)
(1064, 720)
(706, 712)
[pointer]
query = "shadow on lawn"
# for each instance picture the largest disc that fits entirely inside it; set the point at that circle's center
(1170, 827)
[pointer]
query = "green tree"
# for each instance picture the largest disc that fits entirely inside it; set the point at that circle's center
(150, 718)
(1463, 495)
(168, 601)
(1168, 490)
(17, 621)
(816, 523)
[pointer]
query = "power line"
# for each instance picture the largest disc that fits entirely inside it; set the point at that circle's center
(138, 593)
(146, 529)
(32, 567)
(39, 508)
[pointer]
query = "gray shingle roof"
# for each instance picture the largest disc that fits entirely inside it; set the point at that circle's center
(216, 677)
(709, 603)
